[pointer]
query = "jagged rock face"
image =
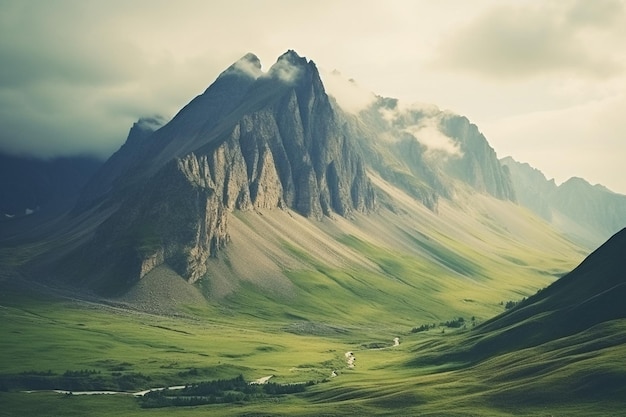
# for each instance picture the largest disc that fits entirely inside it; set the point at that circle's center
(274, 142)
(178, 219)
(532, 189)
(478, 165)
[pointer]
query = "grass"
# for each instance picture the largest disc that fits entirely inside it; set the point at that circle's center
(59, 335)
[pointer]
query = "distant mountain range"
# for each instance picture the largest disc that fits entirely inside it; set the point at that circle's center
(28, 185)
(588, 213)
(34, 191)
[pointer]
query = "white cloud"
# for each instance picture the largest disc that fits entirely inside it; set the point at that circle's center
(285, 70)
(428, 133)
(249, 65)
(350, 96)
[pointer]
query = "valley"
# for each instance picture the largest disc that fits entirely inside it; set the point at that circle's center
(308, 300)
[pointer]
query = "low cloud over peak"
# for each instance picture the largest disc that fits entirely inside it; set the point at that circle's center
(350, 96)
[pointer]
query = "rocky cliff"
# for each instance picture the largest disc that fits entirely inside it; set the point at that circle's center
(477, 163)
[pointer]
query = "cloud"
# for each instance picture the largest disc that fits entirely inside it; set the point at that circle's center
(350, 96)
(524, 40)
(249, 65)
(423, 122)
(428, 133)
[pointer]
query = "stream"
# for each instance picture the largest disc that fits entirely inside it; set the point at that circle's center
(134, 394)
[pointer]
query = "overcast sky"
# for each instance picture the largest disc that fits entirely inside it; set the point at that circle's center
(544, 80)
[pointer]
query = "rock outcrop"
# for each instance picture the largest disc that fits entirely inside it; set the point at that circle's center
(478, 164)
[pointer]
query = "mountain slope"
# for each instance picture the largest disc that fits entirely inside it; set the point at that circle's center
(562, 347)
(428, 152)
(589, 295)
(119, 163)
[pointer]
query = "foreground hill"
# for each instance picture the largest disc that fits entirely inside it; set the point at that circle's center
(563, 345)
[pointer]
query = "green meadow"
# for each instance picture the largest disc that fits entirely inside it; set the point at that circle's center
(54, 336)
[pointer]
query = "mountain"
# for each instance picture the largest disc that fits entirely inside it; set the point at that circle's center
(116, 166)
(251, 141)
(429, 152)
(33, 190)
(588, 213)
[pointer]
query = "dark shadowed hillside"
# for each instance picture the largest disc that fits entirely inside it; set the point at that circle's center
(591, 294)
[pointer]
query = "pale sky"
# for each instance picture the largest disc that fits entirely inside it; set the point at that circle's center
(544, 80)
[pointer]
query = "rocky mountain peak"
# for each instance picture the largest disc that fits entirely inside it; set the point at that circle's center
(248, 65)
(251, 141)
(292, 69)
